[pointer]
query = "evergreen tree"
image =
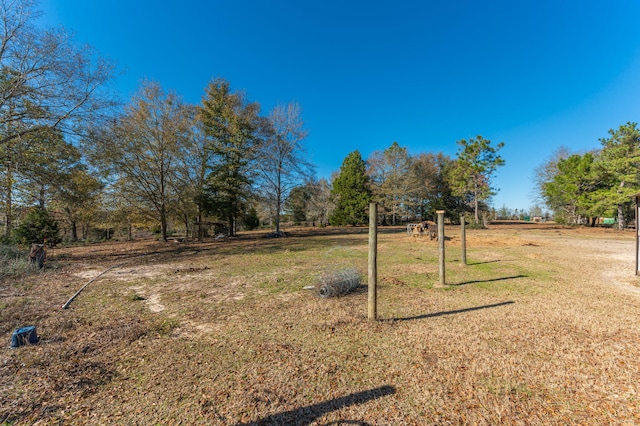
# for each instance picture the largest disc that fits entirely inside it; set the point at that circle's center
(351, 192)
(477, 161)
(568, 190)
(233, 129)
(37, 227)
(619, 165)
(435, 193)
(297, 202)
(251, 220)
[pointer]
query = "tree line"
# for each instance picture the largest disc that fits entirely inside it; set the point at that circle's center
(72, 153)
(406, 187)
(580, 188)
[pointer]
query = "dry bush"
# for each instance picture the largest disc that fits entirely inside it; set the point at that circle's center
(13, 261)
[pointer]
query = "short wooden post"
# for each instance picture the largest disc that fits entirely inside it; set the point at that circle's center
(441, 257)
(463, 239)
(373, 261)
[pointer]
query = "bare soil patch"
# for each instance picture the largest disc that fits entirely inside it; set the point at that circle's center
(541, 327)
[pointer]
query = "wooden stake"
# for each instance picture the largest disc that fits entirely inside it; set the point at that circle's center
(463, 239)
(637, 199)
(441, 257)
(373, 261)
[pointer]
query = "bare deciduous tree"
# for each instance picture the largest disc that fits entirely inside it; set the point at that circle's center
(46, 80)
(142, 150)
(283, 162)
(394, 180)
(47, 83)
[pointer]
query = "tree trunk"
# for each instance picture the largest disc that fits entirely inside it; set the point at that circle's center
(393, 214)
(74, 231)
(475, 209)
(475, 201)
(278, 199)
(278, 206)
(163, 225)
(163, 222)
(621, 224)
(8, 199)
(41, 201)
(199, 223)
(232, 226)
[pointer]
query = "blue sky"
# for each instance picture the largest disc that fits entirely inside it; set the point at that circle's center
(535, 75)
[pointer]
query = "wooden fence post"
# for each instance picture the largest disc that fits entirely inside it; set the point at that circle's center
(637, 209)
(441, 257)
(373, 261)
(463, 239)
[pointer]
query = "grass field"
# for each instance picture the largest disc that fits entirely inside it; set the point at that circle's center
(541, 327)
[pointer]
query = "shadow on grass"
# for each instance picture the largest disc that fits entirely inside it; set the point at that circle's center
(490, 280)
(482, 263)
(310, 413)
(149, 249)
(457, 311)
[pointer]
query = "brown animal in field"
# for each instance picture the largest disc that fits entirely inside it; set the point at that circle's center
(417, 230)
(430, 227)
(425, 226)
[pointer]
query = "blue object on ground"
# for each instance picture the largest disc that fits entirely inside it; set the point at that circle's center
(24, 335)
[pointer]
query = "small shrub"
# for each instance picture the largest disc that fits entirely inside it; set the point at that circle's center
(37, 227)
(476, 225)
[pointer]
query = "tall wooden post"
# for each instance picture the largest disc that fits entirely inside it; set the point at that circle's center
(637, 209)
(373, 261)
(463, 239)
(441, 247)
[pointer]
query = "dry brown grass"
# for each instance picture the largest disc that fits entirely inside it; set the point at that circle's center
(542, 327)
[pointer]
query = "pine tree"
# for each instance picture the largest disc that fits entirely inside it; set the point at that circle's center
(477, 161)
(619, 163)
(232, 126)
(567, 192)
(37, 227)
(351, 192)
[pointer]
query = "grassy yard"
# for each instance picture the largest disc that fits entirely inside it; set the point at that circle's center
(541, 327)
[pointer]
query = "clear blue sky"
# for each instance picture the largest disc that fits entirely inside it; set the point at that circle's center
(533, 74)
